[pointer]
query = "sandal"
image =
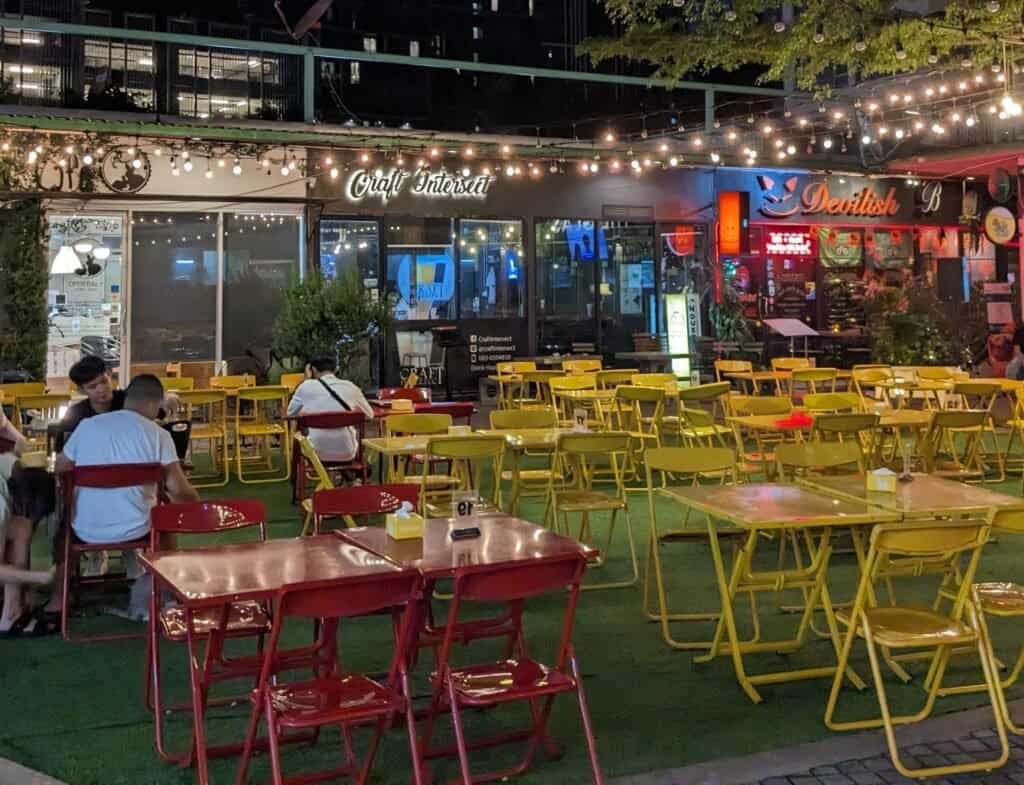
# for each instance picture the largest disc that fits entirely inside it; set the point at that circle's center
(23, 627)
(47, 622)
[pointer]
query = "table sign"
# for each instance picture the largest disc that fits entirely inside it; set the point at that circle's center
(464, 503)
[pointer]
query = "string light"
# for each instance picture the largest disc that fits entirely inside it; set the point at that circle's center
(237, 168)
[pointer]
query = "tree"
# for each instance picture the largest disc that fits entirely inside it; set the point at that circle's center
(863, 39)
(23, 283)
(330, 316)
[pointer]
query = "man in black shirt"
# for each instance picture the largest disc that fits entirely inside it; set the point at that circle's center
(91, 376)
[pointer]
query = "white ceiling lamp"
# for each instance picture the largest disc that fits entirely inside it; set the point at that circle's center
(84, 246)
(101, 253)
(65, 262)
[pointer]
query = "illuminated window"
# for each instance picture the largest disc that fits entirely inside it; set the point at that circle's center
(491, 269)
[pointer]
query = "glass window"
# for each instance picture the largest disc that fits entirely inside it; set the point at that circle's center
(565, 285)
(628, 301)
(261, 258)
(345, 244)
(421, 268)
(173, 304)
(491, 269)
(85, 315)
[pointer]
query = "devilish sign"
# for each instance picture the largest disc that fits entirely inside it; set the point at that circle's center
(786, 199)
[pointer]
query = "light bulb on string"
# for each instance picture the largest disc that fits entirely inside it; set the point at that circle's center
(334, 173)
(87, 159)
(865, 139)
(221, 163)
(883, 131)
(615, 166)
(791, 149)
(187, 166)
(236, 168)
(971, 121)
(583, 167)
(899, 133)
(827, 142)
(209, 172)
(285, 171)
(673, 162)
(715, 157)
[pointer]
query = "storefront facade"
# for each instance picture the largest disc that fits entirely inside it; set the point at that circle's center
(815, 243)
(517, 265)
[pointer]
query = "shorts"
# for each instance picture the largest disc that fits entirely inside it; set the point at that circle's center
(33, 495)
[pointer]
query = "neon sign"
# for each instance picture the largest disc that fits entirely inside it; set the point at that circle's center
(788, 243)
(366, 184)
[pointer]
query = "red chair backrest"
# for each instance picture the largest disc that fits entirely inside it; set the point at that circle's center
(115, 475)
(414, 394)
(331, 420)
(519, 581)
(210, 517)
(365, 499)
(349, 596)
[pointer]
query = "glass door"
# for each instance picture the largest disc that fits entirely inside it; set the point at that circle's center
(628, 301)
(567, 259)
(85, 254)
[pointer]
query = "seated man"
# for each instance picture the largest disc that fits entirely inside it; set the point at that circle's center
(92, 378)
(108, 515)
(325, 392)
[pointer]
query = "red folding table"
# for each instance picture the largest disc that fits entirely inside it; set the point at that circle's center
(216, 577)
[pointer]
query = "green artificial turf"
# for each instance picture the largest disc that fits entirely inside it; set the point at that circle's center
(76, 712)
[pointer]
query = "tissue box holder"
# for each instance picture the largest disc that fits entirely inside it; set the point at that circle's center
(410, 528)
(881, 483)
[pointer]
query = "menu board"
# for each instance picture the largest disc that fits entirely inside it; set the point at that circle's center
(889, 249)
(794, 287)
(839, 248)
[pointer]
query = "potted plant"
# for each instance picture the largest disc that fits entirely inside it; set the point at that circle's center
(337, 316)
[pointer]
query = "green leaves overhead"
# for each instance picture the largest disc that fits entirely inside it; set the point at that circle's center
(819, 42)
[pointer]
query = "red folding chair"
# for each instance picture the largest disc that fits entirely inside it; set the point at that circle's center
(347, 503)
(124, 475)
(334, 696)
(414, 394)
(328, 421)
(516, 678)
(243, 619)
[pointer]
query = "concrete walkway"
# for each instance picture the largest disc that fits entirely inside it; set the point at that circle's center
(844, 759)
(861, 758)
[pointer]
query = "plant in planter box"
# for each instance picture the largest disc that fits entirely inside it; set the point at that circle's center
(336, 316)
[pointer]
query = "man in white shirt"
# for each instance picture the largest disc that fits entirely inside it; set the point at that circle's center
(108, 515)
(324, 392)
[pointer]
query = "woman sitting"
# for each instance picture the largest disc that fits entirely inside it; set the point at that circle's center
(26, 497)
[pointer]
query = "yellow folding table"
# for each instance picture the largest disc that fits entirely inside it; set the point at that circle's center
(773, 508)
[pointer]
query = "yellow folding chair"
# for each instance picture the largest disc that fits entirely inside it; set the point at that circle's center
(207, 410)
(612, 378)
(896, 627)
(566, 405)
(951, 444)
(11, 390)
(762, 458)
(860, 428)
(398, 425)
(292, 380)
(643, 427)
(45, 407)
(864, 378)
(783, 367)
(809, 381)
(177, 383)
(691, 464)
(512, 386)
(831, 402)
(581, 456)
(323, 479)
(532, 481)
(982, 395)
(470, 459)
(795, 460)
(1000, 600)
(702, 409)
(572, 367)
(266, 425)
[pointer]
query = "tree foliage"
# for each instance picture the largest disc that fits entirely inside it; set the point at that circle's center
(329, 316)
(23, 282)
(696, 37)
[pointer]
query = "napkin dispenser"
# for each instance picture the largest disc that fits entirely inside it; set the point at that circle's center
(882, 481)
(404, 524)
(402, 405)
